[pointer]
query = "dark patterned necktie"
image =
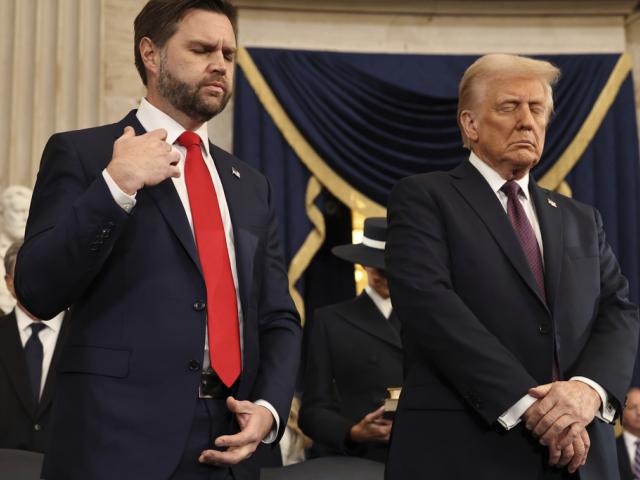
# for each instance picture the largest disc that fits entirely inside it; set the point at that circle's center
(636, 462)
(525, 234)
(33, 353)
(529, 243)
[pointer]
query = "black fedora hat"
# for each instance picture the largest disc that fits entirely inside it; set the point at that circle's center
(370, 252)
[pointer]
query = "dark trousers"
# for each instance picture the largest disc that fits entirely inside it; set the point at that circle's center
(210, 420)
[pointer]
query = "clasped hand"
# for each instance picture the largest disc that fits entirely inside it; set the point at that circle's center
(559, 418)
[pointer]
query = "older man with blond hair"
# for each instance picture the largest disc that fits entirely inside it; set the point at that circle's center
(519, 336)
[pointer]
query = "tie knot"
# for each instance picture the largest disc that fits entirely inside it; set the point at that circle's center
(36, 327)
(511, 189)
(189, 139)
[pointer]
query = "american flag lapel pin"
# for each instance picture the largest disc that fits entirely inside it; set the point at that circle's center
(235, 172)
(552, 203)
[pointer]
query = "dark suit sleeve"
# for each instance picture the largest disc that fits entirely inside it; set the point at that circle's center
(442, 329)
(279, 329)
(73, 224)
(320, 417)
(609, 355)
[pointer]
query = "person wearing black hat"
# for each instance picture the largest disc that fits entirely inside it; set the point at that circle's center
(355, 354)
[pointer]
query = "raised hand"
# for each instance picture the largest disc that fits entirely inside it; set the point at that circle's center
(142, 160)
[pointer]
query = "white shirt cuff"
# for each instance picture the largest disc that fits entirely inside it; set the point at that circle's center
(512, 417)
(607, 411)
(126, 201)
(274, 431)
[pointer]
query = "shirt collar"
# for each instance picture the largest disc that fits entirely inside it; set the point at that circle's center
(494, 179)
(629, 438)
(153, 118)
(383, 304)
(24, 321)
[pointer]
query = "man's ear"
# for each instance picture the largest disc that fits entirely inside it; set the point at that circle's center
(469, 123)
(150, 54)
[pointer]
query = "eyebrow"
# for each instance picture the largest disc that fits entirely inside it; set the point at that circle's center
(210, 46)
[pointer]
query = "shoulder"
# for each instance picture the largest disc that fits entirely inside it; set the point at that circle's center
(335, 313)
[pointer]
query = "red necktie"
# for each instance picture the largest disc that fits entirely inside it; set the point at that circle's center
(222, 307)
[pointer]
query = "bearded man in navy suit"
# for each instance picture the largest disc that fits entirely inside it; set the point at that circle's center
(518, 333)
(184, 349)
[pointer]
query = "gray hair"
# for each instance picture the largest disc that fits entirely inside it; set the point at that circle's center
(10, 257)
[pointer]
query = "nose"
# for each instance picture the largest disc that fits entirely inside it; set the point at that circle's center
(525, 117)
(217, 63)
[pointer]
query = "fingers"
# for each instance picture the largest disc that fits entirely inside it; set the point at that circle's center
(232, 456)
(537, 411)
(579, 456)
(128, 132)
(159, 133)
(559, 430)
(371, 417)
(240, 439)
(540, 391)
(571, 434)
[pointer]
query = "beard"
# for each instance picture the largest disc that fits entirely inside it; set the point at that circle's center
(188, 98)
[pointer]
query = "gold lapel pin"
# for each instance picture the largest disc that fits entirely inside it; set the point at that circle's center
(235, 172)
(552, 203)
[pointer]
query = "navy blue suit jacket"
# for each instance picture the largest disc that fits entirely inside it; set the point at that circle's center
(477, 335)
(129, 374)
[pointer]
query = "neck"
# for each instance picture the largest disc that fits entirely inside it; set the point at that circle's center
(27, 313)
(632, 431)
(164, 106)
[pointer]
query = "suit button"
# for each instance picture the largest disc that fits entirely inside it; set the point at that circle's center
(199, 306)
(37, 427)
(544, 328)
(194, 366)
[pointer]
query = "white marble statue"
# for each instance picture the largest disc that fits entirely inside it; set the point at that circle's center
(14, 209)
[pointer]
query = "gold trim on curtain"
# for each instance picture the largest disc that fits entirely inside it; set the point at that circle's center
(554, 178)
(311, 245)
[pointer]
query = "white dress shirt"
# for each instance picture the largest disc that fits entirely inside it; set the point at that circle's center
(152, 118)
(383, 304)
(48, 337)
(513, 415)
(630, 443)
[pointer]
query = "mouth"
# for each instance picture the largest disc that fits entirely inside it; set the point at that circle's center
(523, 144)
(214, 87)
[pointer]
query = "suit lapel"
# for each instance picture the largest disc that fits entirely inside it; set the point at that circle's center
(166, 197)
(245, 241)
(364, 315)
(13, 354)
(550, 219)
(484, 202)
(47, 393)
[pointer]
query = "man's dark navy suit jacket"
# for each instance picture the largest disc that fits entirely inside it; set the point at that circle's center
(129, 374)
